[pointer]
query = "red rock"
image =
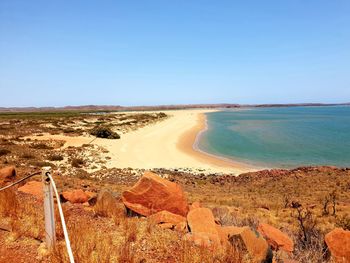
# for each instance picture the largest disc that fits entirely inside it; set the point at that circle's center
(34, 188)
(338, 243)
(7, 174)
(75, 196)
(276, 238)
(152, 194)
(166, 217)
(201, 221)
(253, 242)
(226, 231)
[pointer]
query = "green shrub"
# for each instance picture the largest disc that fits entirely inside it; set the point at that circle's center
(104, 132)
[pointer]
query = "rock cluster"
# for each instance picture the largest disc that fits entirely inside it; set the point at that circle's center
(164, 204)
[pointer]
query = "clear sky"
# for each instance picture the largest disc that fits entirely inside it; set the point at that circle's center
(56, 53)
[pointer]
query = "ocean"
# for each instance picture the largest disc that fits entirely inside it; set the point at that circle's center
(283, 137)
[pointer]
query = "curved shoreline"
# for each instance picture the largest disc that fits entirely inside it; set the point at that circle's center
(188, 143)
(167, 144)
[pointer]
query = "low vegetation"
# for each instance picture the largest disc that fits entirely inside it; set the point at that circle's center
(4, 152)
(247, 200)
(104, 132)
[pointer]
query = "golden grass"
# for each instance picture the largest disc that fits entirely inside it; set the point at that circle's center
(102, 237)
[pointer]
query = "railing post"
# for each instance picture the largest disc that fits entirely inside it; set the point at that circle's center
(49, 209)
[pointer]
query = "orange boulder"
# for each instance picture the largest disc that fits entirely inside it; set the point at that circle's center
(34, 188)
(7, 174)
(166, 217)
(168, 220)
(276, 238)
(75, 196)
(201, 223)
(253, 242)
(152, 194)
(338, 243)
(226, 231)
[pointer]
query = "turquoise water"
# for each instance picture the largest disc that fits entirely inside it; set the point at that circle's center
(280, 137)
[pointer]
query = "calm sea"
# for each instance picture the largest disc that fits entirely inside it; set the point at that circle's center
(280, 137)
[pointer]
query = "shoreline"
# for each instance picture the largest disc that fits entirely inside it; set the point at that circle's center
(188, 143)
(169, 144)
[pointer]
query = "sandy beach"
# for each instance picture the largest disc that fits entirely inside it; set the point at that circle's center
(166, 144)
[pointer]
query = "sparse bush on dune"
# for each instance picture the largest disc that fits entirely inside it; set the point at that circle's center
(68, 130)
(27, 156)
(55, 157)
(77, 162)
(4, 152)
(41, 146)
(41, 164)
(104, 132)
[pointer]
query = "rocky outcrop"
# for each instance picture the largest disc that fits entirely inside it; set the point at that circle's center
(205, 232)
(247, 239)
(75, 196)
(338, 243)
(276, 238)
(34, 188)
(7, 174)
(152, 194)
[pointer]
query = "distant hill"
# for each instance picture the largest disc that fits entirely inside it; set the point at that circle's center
(93, 108)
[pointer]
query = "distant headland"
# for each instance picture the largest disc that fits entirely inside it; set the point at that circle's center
(107, 108)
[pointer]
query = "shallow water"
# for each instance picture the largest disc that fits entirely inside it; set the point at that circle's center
(280, 137)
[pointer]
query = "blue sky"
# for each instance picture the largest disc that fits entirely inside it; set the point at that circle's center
(55, 53)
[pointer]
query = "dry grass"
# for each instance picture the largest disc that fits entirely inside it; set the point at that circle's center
(97, 236)
(26, 217)
(9, 204)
